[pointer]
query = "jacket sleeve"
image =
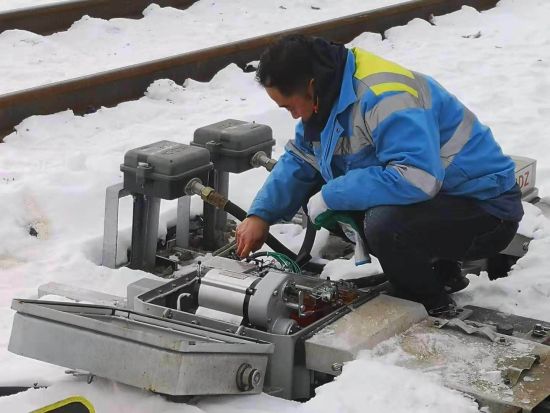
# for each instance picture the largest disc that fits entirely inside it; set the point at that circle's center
(288, 186)
(407, 144)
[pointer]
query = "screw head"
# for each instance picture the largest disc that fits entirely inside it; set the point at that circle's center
(337, 367)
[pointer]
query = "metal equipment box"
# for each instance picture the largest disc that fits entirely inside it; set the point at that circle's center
(162, 169)
(162, 355)
(232, 143)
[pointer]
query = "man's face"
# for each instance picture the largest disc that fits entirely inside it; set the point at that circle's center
(300, 105)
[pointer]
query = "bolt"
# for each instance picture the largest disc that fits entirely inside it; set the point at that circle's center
(248, 377)
(436, 323)
(525, 246)
(256, 377)
(275, 293)
(337, 367)
(502, 339)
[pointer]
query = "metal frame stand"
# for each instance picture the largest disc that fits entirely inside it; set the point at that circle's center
(145, 222)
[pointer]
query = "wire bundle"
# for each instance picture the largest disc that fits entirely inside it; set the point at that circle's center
(287, 263)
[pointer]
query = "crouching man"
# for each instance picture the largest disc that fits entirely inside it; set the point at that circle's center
(392, 146)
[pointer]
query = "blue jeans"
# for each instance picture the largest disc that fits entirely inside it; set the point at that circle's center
(409, 240)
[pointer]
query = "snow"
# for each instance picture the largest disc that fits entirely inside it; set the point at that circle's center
(54, 170)
(32, 60)
(9, 5)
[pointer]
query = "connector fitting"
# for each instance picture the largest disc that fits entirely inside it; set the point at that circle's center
(207, 194)
(260, 159)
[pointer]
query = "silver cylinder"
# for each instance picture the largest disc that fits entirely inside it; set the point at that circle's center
(225, 291)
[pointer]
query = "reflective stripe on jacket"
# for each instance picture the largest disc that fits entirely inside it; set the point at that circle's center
(393, 137)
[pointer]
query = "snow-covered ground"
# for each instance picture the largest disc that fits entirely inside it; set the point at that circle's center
(29, 59)
(54, 171)
(6, 5)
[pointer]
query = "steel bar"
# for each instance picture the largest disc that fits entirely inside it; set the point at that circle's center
(113, 87)
(58, 16)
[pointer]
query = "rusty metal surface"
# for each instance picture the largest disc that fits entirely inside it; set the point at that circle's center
(477, 366)
(60, 15)
(112, 87)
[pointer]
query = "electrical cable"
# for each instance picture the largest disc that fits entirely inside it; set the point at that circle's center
(275, 244)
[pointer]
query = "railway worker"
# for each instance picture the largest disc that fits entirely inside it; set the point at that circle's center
(427, 177)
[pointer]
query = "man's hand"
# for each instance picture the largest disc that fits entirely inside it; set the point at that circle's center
(251, 235)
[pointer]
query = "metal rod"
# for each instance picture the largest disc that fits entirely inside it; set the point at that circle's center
(215, 219)
(145, 232)
(60, 15)
(112, 87)
(182, 221)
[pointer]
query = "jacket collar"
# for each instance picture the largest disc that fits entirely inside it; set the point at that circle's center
(347, 92)
(333, 129)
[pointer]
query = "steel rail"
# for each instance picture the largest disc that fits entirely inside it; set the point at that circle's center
(58, 16)
(110, 88)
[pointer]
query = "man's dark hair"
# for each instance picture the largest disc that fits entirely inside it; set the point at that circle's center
(287, 65)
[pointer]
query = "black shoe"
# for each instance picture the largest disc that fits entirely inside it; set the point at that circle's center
(451, 272)
(440, 305)
(452, 285)
(437, 304)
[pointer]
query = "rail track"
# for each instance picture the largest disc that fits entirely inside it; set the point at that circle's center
(109, 88)
(58, 16)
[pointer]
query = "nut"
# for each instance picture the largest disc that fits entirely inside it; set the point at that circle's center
(248, 378)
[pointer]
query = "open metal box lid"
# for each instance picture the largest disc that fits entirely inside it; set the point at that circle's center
(158, 354)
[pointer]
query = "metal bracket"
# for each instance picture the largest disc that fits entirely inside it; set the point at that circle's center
(147, 225)
(79, 373)
(513, 373)
(484, 331)
(110, 224)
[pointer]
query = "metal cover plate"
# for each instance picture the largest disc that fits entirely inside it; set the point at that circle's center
(365, 327)
(148, 352)
(476, 365)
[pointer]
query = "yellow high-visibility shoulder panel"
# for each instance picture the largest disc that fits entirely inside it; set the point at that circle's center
(368, 64)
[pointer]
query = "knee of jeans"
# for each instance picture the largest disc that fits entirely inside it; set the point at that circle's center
(380, 222)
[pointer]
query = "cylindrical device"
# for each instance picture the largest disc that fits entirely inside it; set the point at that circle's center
(226, 291)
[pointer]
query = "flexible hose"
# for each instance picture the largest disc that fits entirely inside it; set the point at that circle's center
(276, 245)
(304, 255)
